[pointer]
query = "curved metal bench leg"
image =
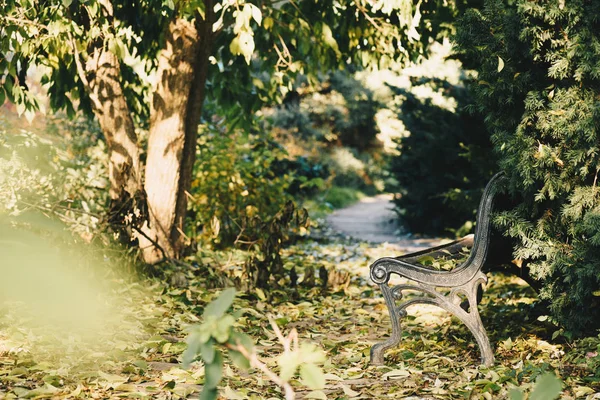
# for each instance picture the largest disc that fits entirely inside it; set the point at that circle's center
(471, 318)
(487, 354)
(379, 349)
(451, 303)
(473, 321)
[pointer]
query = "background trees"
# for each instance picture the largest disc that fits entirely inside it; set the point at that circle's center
(538, 85)
(151, 65)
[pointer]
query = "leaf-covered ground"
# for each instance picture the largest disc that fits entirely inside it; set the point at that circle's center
(138, 353)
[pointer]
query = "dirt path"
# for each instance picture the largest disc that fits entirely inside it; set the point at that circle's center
(372, 219)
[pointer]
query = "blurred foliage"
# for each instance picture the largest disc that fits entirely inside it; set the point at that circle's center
(308, 177)
(340, 197)
(217, 332)
(61, 172)
(537, 87)
(334, 131)
(235, 177)
(342, 112)
(430, 150)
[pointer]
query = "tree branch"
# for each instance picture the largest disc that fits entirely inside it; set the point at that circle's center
(256, 363)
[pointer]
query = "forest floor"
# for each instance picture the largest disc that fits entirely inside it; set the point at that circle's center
(137, 354)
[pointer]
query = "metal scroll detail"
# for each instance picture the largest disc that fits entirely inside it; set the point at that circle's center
(450, 302)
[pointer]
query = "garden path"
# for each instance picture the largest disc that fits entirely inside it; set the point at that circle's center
(372, 219)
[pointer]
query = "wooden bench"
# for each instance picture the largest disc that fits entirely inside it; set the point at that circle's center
(455, 291)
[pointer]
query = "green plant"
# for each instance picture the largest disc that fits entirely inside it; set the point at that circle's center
(234, 179)
(217, 332)
(547, 387)
(266, 239)
(537, 88)
(239, 199)
(340, 197)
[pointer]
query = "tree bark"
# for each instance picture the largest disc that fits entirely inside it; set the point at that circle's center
(175, 115)
(113, 114)
(101, 77)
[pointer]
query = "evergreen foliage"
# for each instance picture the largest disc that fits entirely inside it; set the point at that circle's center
(538, 85)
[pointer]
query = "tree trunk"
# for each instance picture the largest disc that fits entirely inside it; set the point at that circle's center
(111, 109)
(175, 115)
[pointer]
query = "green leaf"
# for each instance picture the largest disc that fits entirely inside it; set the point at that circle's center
(310, 353)
(256, 14)
(239, 360)
(209, 394)
(288, 363)
(426, 260)
(193, 347)
(214, 371)
(170, 385)
(141, 364)
(268, 23)
(515, 394)
(243, 339)
(223, 329)
(547, 387)
(169, 4)
(312, 376)
(329, 39)
(218, 307)
(207, 350)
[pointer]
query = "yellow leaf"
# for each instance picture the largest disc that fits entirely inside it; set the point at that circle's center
(348, 391)
(317, 394)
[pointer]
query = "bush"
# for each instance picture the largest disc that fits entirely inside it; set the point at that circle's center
(444, 160)
(234, 178)
(307, 176)
(240, 198)
(538, 86)
(343, 113)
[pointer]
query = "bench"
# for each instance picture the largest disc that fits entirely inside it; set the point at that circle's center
(455, 291)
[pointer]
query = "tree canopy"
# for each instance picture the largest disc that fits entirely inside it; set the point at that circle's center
(153, 64)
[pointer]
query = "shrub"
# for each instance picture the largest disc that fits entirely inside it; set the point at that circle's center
(444, 160)
(538, 85)
(234, 178)
(307, 176)
(240, 198)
